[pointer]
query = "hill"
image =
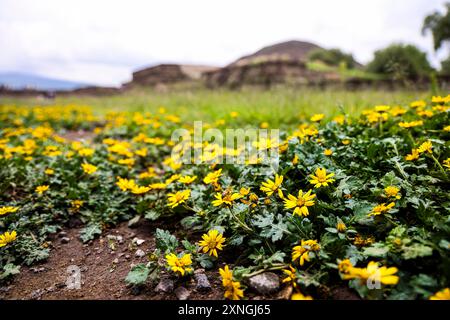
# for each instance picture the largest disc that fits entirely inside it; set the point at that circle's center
(16, 80)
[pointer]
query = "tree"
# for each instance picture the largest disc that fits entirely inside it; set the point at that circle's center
(333, 57)
(400, 61)
(439, 25)
(445, 67)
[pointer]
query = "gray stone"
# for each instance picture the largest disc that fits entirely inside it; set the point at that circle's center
(265, 283)
(165, 285)
(65, 240)
(203, 284)
(140, 253)
(62, 234)
(182, 293)
(138, 241)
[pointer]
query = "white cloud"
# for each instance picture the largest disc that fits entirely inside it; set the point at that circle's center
(101, 42)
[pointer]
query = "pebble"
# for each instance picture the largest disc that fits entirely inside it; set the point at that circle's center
(182, 293)
(65, 240)
(265, 283)
(140, 253)
(203, 284)
(165, 285)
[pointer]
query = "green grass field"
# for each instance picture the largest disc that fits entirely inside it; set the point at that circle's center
(278, 107)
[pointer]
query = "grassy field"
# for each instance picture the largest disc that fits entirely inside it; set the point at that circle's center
(278, 107)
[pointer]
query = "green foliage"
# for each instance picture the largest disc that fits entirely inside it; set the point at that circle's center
(445, 67)
(400, 62)
(333, 57)
(439, 25)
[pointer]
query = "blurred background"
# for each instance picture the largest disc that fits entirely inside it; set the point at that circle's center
(66, 45)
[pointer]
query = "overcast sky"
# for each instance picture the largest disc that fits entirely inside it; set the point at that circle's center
(102, 42)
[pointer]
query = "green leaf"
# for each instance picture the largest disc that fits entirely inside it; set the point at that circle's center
(376, 250)
(152, 215)
(165, 241)
(138, 275)
(9, 270)
(90, 232)
(416, 250)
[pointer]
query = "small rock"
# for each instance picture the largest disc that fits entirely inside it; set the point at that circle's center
(138, 241)
(37, 270)
(140, 253)
(65, 240)
(37, 294)
(182, 293)
(164, 285)
(285, 293)
(265, 283)
(127, 256)
(62, 234)
(116, 261)
(203, 284)
(199, 270)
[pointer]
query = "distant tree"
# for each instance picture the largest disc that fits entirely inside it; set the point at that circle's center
(333, 57)
(400, 61)
(439, 25)
(445, 67)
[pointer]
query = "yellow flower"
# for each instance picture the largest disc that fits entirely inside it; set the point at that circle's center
(340, 226)
(264, 125)
(321, 178)
(8, 209)
(157, 186)
(187, 179)
(300, 296)
(410, 124)
(49, 171)
(381, 208)
(232, 288)
(447, 163)
(269, 187)
(392, 192)
(234, 114)
(41, 189)
(372, 272)
(76, 204)
(300, 203)
(418, 104)
(414, 155)
(141, 152)
(227, 276)
(234, 291)
(226, 199)
(89, 168)
(175, 199)
(340, 119)
(302, 251)
(346, 142)
(447, 128)
(444, 294)
(245, 191)
(361, 241)
(291, 276)
(212, 241)
(425, 113)
(7, 238)
(317, 117)
(328, 152)
(125, 184)
(213, 177)
(425, 147)
(86, 152)
(181, 265)
(139, 189)
(128, 161)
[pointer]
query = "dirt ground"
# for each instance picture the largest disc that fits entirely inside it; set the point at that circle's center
(103, 270)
